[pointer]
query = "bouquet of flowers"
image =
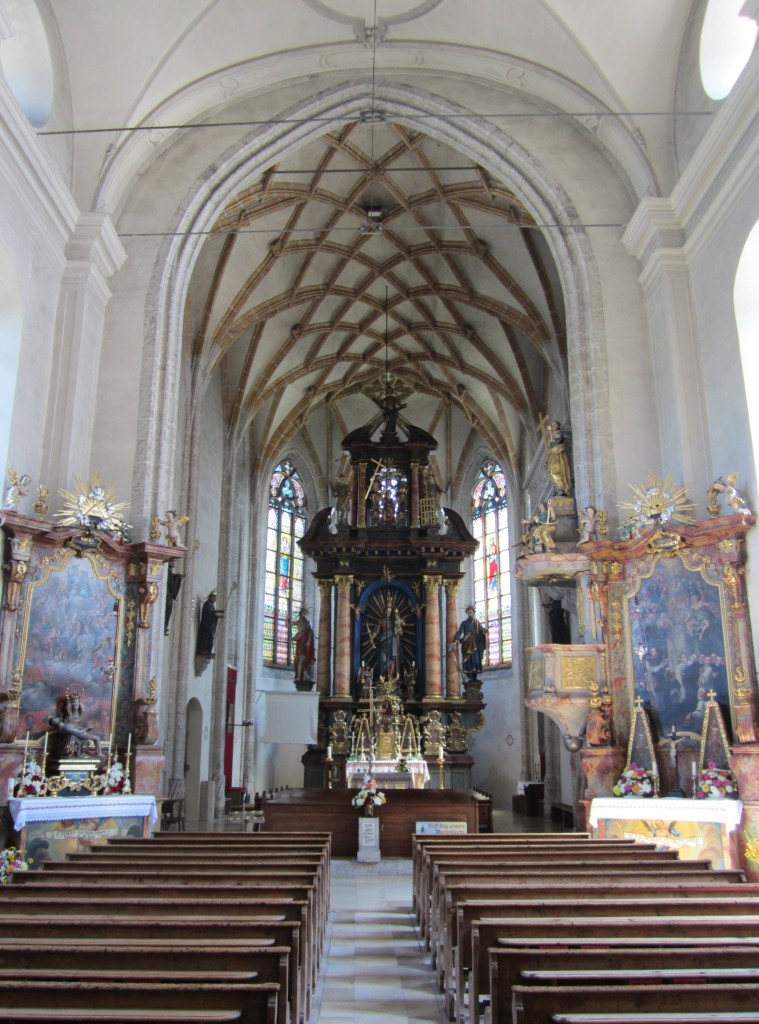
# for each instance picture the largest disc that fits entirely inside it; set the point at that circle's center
(369, 796)
(114, 779)
(29, 779)
(715, 783)
(635, 781)
(11, 860)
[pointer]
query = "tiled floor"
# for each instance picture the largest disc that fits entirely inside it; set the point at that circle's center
(375, 970)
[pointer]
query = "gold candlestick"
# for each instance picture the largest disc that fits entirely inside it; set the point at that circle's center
(441, 769)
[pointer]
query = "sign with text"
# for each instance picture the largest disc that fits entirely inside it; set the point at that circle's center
(441, 828)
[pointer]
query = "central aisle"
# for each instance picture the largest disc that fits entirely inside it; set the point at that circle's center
(375, 969)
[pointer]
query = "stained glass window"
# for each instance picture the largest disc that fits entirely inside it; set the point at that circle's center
(283, 588)
(492, 579)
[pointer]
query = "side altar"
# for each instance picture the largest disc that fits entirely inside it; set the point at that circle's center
(51, 828)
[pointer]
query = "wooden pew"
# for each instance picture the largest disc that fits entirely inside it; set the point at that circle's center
(256, 1003)
(472, 954)
(604, 888)
(105, 928)
(508, 964)
(453, 887)
(721, 929)
(688, 1017)
(156, 962)
(85, 1015)
(538, 1004)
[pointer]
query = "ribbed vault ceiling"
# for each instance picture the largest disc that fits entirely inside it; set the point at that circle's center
(377, 249)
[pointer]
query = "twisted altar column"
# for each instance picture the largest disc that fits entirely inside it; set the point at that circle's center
(452, 671)
(433, 682)
(343, 636)
(325, 637)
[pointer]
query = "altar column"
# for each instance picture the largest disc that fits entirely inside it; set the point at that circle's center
(325, 637)
(343, 636)
(432, 666)
(452, 672)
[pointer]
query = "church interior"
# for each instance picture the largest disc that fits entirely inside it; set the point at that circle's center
(366, 376)
(379, 500)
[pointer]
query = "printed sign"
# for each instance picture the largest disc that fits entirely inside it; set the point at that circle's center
(441, 828)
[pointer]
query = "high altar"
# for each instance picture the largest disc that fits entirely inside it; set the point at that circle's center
(389, 566)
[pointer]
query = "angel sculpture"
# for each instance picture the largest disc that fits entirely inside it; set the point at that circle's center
(586, 522)
(19, 488)
(173, 522)
(732, 497)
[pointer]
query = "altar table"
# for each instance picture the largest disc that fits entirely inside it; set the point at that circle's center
(355, 771)
(697, 829)
(52, 827)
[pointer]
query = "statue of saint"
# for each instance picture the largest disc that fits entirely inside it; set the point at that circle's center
(77, 739)
(209, 619)
(473, 638)
(557, 461)
(304, 647)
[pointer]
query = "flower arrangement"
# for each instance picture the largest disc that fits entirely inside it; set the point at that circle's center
(715, 783)
(369, 796)
(751, 849)
(29, 779)
(635, 781)
(114, 778)
(11, 860)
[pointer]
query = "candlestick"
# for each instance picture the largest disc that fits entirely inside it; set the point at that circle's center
(26, 747)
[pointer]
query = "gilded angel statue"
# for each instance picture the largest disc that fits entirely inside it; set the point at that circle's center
(734, 500)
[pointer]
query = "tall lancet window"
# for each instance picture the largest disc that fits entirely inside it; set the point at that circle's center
(283, 592)
(492, 579)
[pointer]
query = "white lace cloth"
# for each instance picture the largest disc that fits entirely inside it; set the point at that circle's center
(76, 808)
(356, 770)
(628, 808)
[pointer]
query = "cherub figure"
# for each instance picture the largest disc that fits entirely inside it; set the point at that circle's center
(586, 522)
(173, 522)
(734, 500)
(18, 489)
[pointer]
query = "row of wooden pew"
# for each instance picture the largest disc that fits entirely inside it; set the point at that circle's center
(197, 927)
(542, 929)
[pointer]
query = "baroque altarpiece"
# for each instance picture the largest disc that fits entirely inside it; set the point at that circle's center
(662, 625)
(78, 608)
(389, 564)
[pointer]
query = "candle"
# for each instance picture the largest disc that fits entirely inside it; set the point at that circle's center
(26, 747)
(440, 754)
(44, 752)
(129, 745)
(110, 741)
(329, 752)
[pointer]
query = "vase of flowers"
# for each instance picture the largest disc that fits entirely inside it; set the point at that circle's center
(635, 782)
(29, 780)
(715, 784)
(369, 797)
(11, 860)
(114, 779)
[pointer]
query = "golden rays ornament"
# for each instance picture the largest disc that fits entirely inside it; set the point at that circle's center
(658, 503)
(93, 508)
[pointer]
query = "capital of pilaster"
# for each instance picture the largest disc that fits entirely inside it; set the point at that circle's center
(654, 226)
(344, 584)
(452, 587)
(96, 240)
(432, 583)
(325, 587)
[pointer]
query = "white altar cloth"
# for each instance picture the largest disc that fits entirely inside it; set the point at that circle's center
(75, 808)
(356, 770)
(722, 812)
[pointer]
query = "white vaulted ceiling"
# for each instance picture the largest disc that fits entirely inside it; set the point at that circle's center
(300, 298)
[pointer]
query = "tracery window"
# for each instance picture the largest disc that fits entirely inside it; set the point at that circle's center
(492, 579)
(283, 587)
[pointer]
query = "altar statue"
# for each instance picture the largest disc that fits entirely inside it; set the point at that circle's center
(77, 739)
(473, 638)
(557, 460)
(304, 647)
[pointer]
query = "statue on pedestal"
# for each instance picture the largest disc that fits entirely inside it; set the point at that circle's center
(77, 739)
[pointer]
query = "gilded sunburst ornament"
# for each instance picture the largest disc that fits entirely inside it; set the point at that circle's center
(93, 507)
(657, 503)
